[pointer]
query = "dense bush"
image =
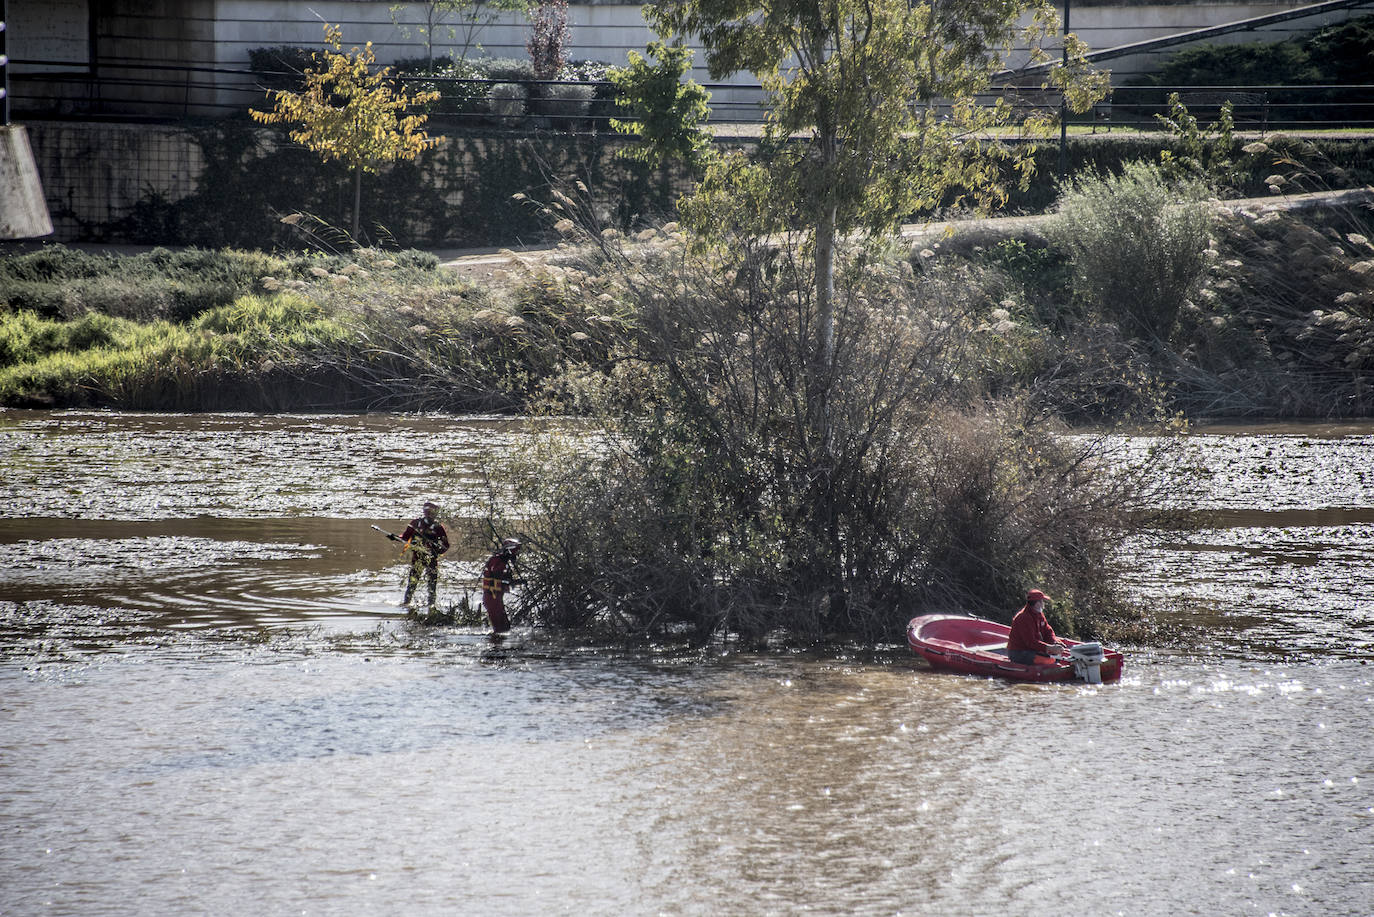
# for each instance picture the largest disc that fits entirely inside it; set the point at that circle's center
(507, 103)
(1337, 55)
(1138, 244)
(461, 86)
(707, 506)
(1286, 325)
(477, 90)
(1280, 323)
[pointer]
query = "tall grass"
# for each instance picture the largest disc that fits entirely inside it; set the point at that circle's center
(99, 359)
(60, 282)
(322, 333)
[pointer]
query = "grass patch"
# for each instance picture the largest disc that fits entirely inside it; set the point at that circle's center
(106, 360)
(375, 330)
(57, 282)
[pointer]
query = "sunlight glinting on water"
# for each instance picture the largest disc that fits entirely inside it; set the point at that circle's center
(200, 643)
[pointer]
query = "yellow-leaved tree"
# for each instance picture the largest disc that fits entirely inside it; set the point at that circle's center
(348, 113)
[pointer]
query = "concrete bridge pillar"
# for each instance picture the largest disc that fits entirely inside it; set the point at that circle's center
(23, 211)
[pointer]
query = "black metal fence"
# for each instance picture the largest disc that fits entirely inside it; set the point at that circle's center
(133, 92)
(44, 90)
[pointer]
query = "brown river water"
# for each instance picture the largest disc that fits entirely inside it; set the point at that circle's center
(209, 704)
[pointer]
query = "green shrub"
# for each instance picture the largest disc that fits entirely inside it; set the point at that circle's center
(1138, 245)
(17, 332)
(723, 509)
(507, 103)
(53, 263)
(1335, 57)
(565, 104)
(506, 69)
(417, 260)
(277, 325)
(457, 82)
(44, 298)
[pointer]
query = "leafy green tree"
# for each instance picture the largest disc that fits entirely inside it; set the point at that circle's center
(875, 113)
(1201, 154)
(784, 448)
(348, 113)
(667, 109)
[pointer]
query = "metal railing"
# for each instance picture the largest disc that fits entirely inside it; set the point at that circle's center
(130, 91)
(135, 91)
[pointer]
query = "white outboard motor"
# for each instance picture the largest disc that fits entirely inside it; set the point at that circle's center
(1087, 662)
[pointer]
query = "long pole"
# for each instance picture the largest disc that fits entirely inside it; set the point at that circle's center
(1064, 102)
(4, 61)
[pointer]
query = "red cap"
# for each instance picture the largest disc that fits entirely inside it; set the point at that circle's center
(1036, 595)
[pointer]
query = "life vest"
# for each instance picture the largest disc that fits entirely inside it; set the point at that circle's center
(496, 575)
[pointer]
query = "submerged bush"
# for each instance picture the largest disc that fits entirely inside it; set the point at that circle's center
(706, 498)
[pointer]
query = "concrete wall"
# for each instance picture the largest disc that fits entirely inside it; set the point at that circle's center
(1105, 27)
(95, 174)
(220, 33)
(606, 31)
(49, 30)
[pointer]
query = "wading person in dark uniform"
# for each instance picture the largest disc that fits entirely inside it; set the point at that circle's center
(497, 577)
(426, 539)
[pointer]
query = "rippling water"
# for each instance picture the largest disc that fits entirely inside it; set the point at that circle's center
(208, 705)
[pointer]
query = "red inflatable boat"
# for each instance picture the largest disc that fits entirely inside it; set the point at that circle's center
(978, 647)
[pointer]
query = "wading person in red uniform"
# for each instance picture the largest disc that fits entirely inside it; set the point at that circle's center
(1031, 634)
(426, 539)
(497, 578)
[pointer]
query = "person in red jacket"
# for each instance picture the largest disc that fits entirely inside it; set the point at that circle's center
(426, 539)
(497, 577)
(1031, 634)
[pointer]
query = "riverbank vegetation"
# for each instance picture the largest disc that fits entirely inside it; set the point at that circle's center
(962, 361)
(200, 330)
(780, 436)
(712, 506)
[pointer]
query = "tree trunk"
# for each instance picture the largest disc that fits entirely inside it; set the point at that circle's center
(357, 202)
(825, 324)
(823, 377)
(823, 373)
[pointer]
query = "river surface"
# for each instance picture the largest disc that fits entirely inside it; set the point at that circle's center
(209, 704)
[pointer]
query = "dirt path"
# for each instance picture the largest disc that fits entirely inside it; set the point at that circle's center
(488, 264)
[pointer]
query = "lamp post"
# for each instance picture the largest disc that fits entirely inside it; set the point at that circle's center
(4, 62)
(1064, 102)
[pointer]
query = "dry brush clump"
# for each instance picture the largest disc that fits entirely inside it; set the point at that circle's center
(1138, 244)
(1285, 326)
(719, 489)
(1144, 295)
